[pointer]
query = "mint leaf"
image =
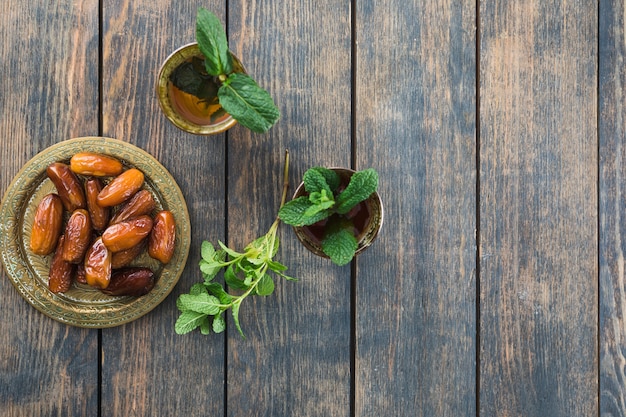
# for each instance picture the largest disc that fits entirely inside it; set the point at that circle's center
(235, 312)
(265, 285)
(209, 269)
(340, 245)
(218, 291)
(321, 201)
(188, 79)
(276, 266)
(219, 324)
(332, 178)
(188, 321)
(233, 281)
(294, 212)
(249, 104)
(213, 44)
(362, 185)
(200, 303)
(205, 326)
(315, 182)
(207, 251)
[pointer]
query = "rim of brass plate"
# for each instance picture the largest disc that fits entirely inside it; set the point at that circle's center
(376, 205)
(176, 58)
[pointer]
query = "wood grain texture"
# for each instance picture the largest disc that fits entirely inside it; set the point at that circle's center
(147, 368)
(44, 364)
(612, 102)
(415, 287)
(296, 358)
(538, 209)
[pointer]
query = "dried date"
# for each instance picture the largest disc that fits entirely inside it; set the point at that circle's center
(161, 242)
(61, 271)
(47, 225)
(131, 281)
(125, 257)
(94, 164)
(99, 215)
(121, 188)
(125, 235)
(141, 203)
(68, 186)
(77, 236)
(98, 265)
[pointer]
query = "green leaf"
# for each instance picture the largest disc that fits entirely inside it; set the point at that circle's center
(265, 285)
(209, 269)
(219, 324)
(249, 104)
(287, 277)
(207, 251)
(205, 326)
(197, 288)
(315, 182)
(332, 178)
(188, 79)
(232, 253)
(218, 291)
(318, 207)
(235, 312)
(340, 245)
(233, 281)
(362, 185)
(188, 321)
(276, 266)
(294, 212)
(213, 43)
(200, 303)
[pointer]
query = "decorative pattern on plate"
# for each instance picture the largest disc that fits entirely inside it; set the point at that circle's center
(82, 305)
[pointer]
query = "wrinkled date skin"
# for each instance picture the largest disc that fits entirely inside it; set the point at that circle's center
(94, 164)
(61, 271)
(47, 225)
(131, 281)
(161, 242)
(125, 257)
(125, 235)
(99, 215)
(77, 236)
(98, 265)
(141, 203)
(68, 186)
(79, 274)
(121, 188)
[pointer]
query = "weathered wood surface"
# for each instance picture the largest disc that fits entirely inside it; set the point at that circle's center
(612, 181)
(416, 288)
(496, 286)
(538, 209)
(49, 93)
(295, 360)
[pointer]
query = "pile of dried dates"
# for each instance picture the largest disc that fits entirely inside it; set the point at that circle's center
(111, 222)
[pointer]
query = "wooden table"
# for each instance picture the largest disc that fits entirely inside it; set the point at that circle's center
(496, 287)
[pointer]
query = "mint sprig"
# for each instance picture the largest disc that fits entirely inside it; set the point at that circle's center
(326, 201)
(250, 272)
(238, 94)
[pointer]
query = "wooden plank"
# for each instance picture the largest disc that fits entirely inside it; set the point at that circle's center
(416, 286)
(49, 94)
(612, 108)
(296, 357)
(538, 209)
(147, 368)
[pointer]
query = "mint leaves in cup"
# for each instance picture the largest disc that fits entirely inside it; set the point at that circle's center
(329, 210)
(218, 80)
